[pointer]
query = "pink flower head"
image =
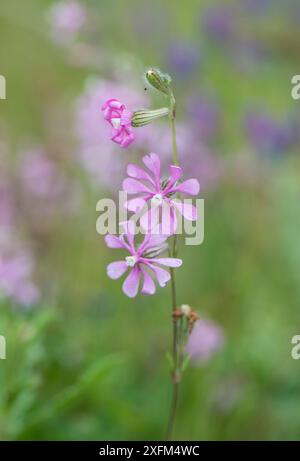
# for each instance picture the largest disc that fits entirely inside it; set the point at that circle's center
(15, 278)
(66, 19)
(157, 192)
(204, 341)
(142, 262)
(120, 119)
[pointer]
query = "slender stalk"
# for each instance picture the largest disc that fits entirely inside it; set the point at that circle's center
(176, 373)
(175, 153)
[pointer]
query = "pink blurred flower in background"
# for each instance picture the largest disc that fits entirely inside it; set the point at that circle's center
(16, 262)
(151, 188)
(40, 176)
(205, 340)
(16, 269)
(47, 191)
(66, 19)
(204, 115)
(142, 262)
(120, 120)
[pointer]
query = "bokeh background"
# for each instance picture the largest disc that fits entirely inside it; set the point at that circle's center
(83, 361)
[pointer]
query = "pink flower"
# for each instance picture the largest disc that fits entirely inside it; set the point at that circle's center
(120, 119)
(16, 269)
(66, 19)
(40, 175)
(204, 341)
(150, 188)
(142, 262)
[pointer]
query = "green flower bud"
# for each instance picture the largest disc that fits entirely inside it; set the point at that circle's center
(144, 117)
(158, 80)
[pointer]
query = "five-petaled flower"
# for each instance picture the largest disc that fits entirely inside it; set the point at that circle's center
(120, 119)
(142, 262)
(151, 189)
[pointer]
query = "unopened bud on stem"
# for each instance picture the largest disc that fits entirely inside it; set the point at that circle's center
(158, 80)
(144, 117)
(185, 309)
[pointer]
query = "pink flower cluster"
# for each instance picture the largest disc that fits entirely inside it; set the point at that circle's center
(148, 188)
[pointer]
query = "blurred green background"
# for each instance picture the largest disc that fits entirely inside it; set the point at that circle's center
(83, 361)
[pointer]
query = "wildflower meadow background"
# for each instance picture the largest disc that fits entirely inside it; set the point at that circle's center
(84, 361)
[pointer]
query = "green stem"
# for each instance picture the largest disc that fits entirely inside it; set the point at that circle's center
(175, 154)
(176, 372)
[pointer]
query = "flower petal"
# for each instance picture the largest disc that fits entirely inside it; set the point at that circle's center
(133, 186)
(162, 275)
(112, 103)
(190, 187)
(148, 285)
(116, 269)
(187, 210)
(135, 204)
(169, 219)
(152, 241)
(128, 235)
(126, 117)
(127, 140)
(112, 241)
(175, 174)
(136, 172)
(169, 262)
(152, 162)
(131, 284)
(150, 218)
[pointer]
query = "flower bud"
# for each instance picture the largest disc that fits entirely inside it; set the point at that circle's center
(158, 80)
(185, 309)
(144, 117)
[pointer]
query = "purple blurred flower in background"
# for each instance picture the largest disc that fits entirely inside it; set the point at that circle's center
(66, 20)
(204, 116)
(206, 339)
(268, 135)
(40, 176)
(183, 59)
(219, 22)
